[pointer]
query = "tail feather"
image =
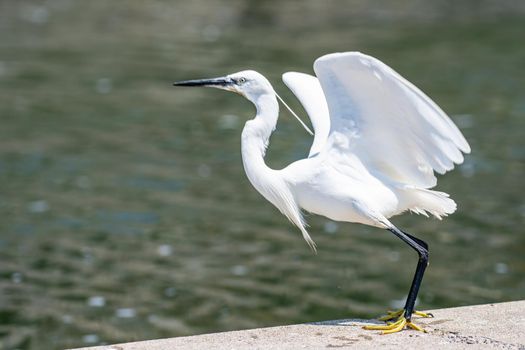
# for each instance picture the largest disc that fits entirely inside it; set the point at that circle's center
(424, 202)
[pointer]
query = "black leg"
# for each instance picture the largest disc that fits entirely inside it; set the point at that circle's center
(421, 247)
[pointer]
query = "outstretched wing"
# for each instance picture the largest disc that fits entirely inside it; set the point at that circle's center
(395, 129)
(309, 92)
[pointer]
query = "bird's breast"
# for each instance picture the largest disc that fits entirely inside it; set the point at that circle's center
(341, 198)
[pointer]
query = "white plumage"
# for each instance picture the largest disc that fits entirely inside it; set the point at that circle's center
(378, 140)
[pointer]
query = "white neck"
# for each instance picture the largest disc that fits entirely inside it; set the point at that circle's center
(255, 137)
(270, 183)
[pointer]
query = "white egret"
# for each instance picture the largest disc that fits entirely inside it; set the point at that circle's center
(378, 140)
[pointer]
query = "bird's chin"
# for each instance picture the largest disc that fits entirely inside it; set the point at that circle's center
(234, 89)
(223, 87)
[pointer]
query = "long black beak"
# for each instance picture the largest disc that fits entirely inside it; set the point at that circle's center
(215, 82)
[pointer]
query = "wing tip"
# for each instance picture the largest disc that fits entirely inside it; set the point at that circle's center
(462, 145)
(289, 77)
(465, 147)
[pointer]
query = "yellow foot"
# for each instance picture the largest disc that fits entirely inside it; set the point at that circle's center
(391, 327)
(423, 314)
(394, 315)
(399, 324)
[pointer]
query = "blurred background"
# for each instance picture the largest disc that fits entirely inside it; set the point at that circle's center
(125, 213)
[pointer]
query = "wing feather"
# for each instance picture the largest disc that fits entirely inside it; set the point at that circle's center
(308, 91)
(393, 127)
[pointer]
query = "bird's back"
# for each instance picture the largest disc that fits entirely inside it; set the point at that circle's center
(340, 187)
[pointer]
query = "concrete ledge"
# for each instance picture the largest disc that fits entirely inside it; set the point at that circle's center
(492, 326)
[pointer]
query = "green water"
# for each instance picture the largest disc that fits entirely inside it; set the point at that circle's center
(125, 213)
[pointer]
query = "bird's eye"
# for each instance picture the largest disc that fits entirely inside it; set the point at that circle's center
(241, 80)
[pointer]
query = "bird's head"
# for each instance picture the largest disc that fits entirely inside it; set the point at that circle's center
(247, 83)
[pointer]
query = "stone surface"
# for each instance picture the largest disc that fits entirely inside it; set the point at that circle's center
(491, 326)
